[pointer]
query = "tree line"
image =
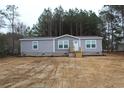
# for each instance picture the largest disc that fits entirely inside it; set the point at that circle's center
(76, 22)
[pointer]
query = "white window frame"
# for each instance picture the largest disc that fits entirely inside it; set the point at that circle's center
(59, 44)
(86, 42)
(33, 45)
(63, 43)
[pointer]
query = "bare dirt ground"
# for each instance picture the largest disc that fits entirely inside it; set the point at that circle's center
(89, 71)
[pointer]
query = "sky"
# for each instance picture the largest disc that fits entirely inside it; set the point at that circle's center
(30, 10)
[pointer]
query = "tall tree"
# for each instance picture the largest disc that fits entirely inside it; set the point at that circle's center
(111, 19)
(119, 10)
(58, 15)
(11, 14)
(44, 25)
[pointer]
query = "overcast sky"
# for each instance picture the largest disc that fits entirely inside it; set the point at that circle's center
(30, 10)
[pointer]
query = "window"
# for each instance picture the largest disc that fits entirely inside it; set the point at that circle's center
(35, 45)
(66, 44)
(93, 44)
(63, 44)
(60, 44)
(90, 44)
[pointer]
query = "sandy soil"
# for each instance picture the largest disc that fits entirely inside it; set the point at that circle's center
(90, 71)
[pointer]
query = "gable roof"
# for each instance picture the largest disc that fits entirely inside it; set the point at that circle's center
(51, 38)
(67, 35)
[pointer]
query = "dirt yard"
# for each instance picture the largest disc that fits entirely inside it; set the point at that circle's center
(90, 71)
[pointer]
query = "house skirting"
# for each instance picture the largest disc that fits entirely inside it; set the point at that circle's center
(56, 53)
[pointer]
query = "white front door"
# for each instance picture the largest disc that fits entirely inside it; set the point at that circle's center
(76, 45)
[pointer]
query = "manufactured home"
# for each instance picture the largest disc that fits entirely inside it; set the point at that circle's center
(61, 45)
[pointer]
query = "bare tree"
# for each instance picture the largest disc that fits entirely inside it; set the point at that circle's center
(11, 14)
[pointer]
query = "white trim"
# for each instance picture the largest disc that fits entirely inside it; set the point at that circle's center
(59, 43)
(35, 39)
(49, 38)
(67, 35)
(63, 44)
(53, 45)
(33, 45)
(90, 44)
(91, 38)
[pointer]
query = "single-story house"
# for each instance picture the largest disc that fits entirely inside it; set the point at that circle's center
(50, 46)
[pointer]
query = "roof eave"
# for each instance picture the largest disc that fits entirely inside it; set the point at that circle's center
(34, 39)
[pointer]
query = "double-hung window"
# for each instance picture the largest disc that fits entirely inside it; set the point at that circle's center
(63, 44)
(34, 45)
(66, 44)
(90, 44)
(60, 44)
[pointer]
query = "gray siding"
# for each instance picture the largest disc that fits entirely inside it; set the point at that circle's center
(44, 46)
(97, 50)
(64, 38)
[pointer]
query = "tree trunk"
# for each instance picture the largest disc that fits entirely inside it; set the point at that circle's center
(122, 16)
(108, 37)
(13, 43)
(71, 29)
(56, 29)
(76, 29)
(62, 28)
(80, 29)
(59, 28)
(112, 38)
(50, 27)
